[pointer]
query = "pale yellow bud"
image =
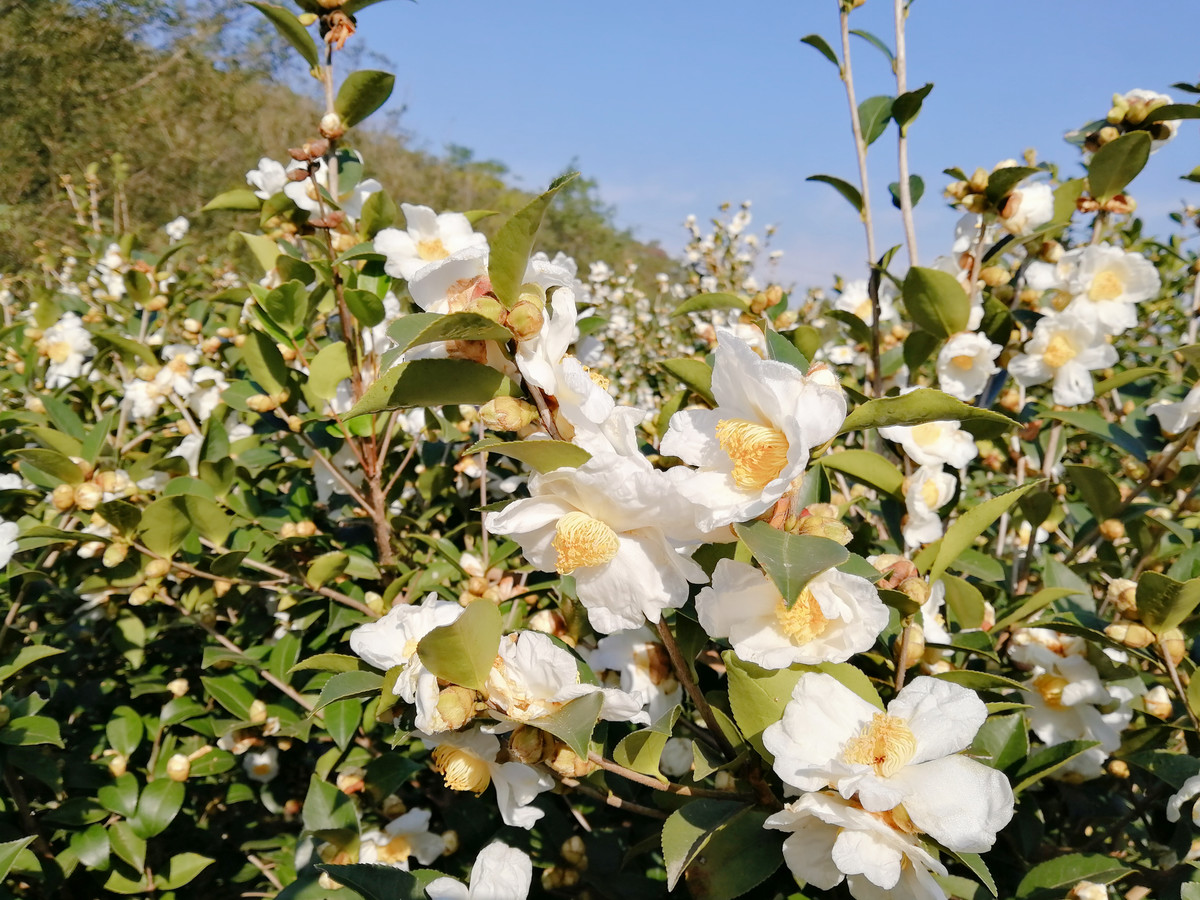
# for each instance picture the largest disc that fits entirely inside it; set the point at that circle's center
(574, 852)
(157, 568)
(1087, 890)
(450, 839)
(1112, 529)
(1131, 634)
(179, 767)
(1122, 596)
(331, 126)
(258, 712)
(261, 403)
(456, 706)
(1175, 645)
(994, 276)
(507, 414)
(114, 555)
(487, 306)
(140, 596)
(351, 780)
(117, 764)
(294, 424)
(306, 528)
(88, 495)
(157, 303)
(178, 687)
(63, 497)
(393, 807)
(914, 649)
(192, 326)
(558, 879)
(979, 180)
(529, 745)
(525, 321)
(1158, 702)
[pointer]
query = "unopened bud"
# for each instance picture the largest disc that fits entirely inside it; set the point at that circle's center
(1122, 596)
(258, 712)
(1174, 645)
(1158, 702)
(1131, 634)
(351, 780)
(140, 596)
(306, 528)
(295, 424)
(914, 646)
(487, 306)
(821, 526)
(507, 414)
(1107, 134)
(725, 781)
(117, 764)
(331, 126)
(895, 570)
(557, 879)
(63, 497)
(456, 706)
(310, 150)
(192, 326)
(393, 807)
(261, 403)
(957, 190)
(307, 18)
(978, 181)
(114, 555)
(565, 761)
(549, 621)
(179, 767)
(525, 321)
(157, 303)
(1088, 890)
(1118, 768)
(533, 294)
(529, 745)
(994, 276)
(1050, 251)
(916, 589)
(1112, 529)
(574, 852)
(178, 687)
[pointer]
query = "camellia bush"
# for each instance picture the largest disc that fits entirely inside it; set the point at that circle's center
(389, 560)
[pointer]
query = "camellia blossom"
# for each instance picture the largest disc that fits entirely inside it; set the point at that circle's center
(268, 179)
(1107, 282)
(392, 641)
(177, 228)
(427, 239)
(929, 489)
(855, 298)
(615, 525)
(68, 346)
(909, 756)
(1066, 348)
(756, 442)
(467, 759)
(643, 666)
(533, 678)
(500, 873)
(405, 836)
(1028, 208)
(833, 840)
(965, 363)
(350, 198)
(1176, 418)
(835, 616)
(262, 765)
(934, 443)
(8, 541)
(1186, 792)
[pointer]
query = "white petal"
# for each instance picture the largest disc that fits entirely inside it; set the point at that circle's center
(957, 801)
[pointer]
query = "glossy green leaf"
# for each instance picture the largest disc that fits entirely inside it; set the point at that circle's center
(819, 44)
(875, 42)
(463, 652)
(1116, 164)
(1032, 605)
(348, 684)
(695, 373)
(870, 468)
(231, 693)
(330, 662)
(127, 845)
(1091, 421)
(874, 113)
(936, 301)
(240, 199)
(914, 408)
(325, 568)
(124, 730)
(974, 522)
(292, 30)
(689, 829)
(287, 305)
(1002, 181)
(1047, 761)
(916, 190)
(434, 382)
(329, 368)
(573, 722)
(9, 851)
(642, 750)
(365, 306)
(737, 857)
(328, 809)
(158, 805)
(1163, 603)
(27, 656)
(790, 560)
(26, 731)
(1002, 741)
(847, 190)
(182, 869)
(907, 106)
(1057, 876)
(1097, 489)
(341, 720)
(121, 796)
(428, 328)
(379, 212)
(55, 464)
(701, 302)
(380, 882)
(541, 456)
(165, 525)
(965, 601)
(513, 243)
(265, 362)
(361, 94)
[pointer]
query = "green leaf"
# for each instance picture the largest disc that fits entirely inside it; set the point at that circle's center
(207, 518)
(348, 684)
(642, 750)
(870, 468)
(27, 731)
(1129, 376)
(26, 657)
(341, 720)
(1097, 489)
(157, 807)
(231, 693)
(1172, 112)
(918, 347)
(127, 845)
(790, 560)
(428, 328)
(378, 882)
(1002, 741)
(1163, 603)
(463, 652)
(915, 408)
(965, 601)
(53, 463)
(239, 199)
(975, 863)
(783, 350)
(1057, 876)
(434, 382)
(916, 190)
(365, 306)
(124, 730)
(1170, 767)
(129, 350)
(378, 212)
(1093, 422)
(325, 568)
(573, 722)
(265, 362)
(935, 301)
(330, 662)
(974, 522)
(907, 106)
(821, 46)
(1036, 603)
(877, 43)
(1116, 164)
(121, 796)
(182, 869)
(165, 525)
(121, 515)
(874, 113)
(701, 302)
(329, 368)
(287, 305)
(513, 243)
(9, 851)
(361, 94)
(695, 373)
(847, 190)
(1002, 181)
(1048, 761)
(737, 857)
(541, 456)
(327, 809)
(264, 250)
(292, 30)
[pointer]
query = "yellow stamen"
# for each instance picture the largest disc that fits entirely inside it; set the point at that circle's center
(1059, 352)
(804, 621)
(927, 433)
(433, 250)
(864, 311)
(1051, 688)
(885, 745)
(582, 541)
(930, 493)
(398, 849)
(1107, 285)
(464, 771)
(759, 452)
(597, 378)
(58, 351)
(964, 362)
(262, 770)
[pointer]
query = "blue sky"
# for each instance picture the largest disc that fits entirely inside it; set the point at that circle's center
(674, 107)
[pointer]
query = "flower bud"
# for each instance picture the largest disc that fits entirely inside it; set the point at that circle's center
(557, 879)
(261, 403)
(564, 761)
(456, 706)
(487, 306)
(725, 781)
(114, 555)
(1088, 890)
(5, 715)
(530, 745)
(1131, 634)
(157, 303)
(574, 852)
(88, 495)
(393, 807)
(1118, 768)
(914, 649)
(450, 839)
(351, 780)
(525, 321)
(507, 414)
(179, 767)
(916, 589)
(978, 181)
(331, 126)
(157, 568)
(1122, 596)
(1174, 644)
(533, 294)
(63, 497)
(994, 276)
(1158, 702)
(895, 570)
(178, 687)
(307, 18)
(957, 190)
(140, 596)
(258, 712)
(117, 764)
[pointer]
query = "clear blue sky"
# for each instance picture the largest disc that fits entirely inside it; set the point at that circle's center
(674, 107)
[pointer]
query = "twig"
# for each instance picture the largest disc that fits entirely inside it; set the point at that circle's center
(683, 673)
(906, 205)
(612, 799)
(668, 787)
(1175, 680)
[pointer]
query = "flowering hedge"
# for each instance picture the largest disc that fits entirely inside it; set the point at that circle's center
(397, 561)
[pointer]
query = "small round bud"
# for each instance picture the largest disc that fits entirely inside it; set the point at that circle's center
(258, 712)
(529, 745)
(1089, 890)
(306, 528)
(393, 807)
(1107, 134)
(192, 326)
(1112, 529)
(117, 764)
(978, 181)
(1131, 634)
(533, 294)
(487, 306)
(1174, 645)
(507, 414)
(63, 497)
(994, 276)
(114, 555)
(179, 767)
(525, 320)
(725, 781)
(331, 126)
(178, 687)
(456, 706)
(914, 649)
(1157, 702)
(574, 852)
(140, 596)
(261, 403)
(450, 839)
(351, 780)
(1122, 595)
(157, 568)
(557, 878)
(157, 303)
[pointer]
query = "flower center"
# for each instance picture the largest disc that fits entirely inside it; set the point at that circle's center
(927, 433)
(759, 452)
(930, 494)
(864, 311)
(1051, 689)
(964, 362)
(1059, 352)
(432, 250)
(885, 745)
(652, 659)
(398, 849)
(1107, 285)
(59, 351)
(262, 769)
(464, 771)
(597, 379)
(804, 621)
(582, 541)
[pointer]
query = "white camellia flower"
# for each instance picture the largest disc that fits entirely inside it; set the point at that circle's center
(934, 443)
(641, 662)
(350, 199)
(533, 678)
(1107, 282)
(8, 540)
(929, 489)
(177, 228)
(1066, 348)
(855, 298)
(68, 346)
(269, 178)
(618, 527)
(835, 616)
(1138, 103)
(1186, 792)
(1176, 418)
(1028, 208)
(406, 836)
(427, 239)
(965, 363)
(500, 873)
(392, 641)
(908, 756)
(467, 759)
(262, 765)
(757, 440)
(833, 840)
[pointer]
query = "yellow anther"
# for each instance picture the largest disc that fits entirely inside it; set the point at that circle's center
(433, 250)
(398, 849)
(804, 621)
(930, 494)
(964, 362)
(582, 541)
(1059, 352)
(885, 745)
(463, 771)
(1051, 689)
(1107, 285)
(759, 452)
(927, 433)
